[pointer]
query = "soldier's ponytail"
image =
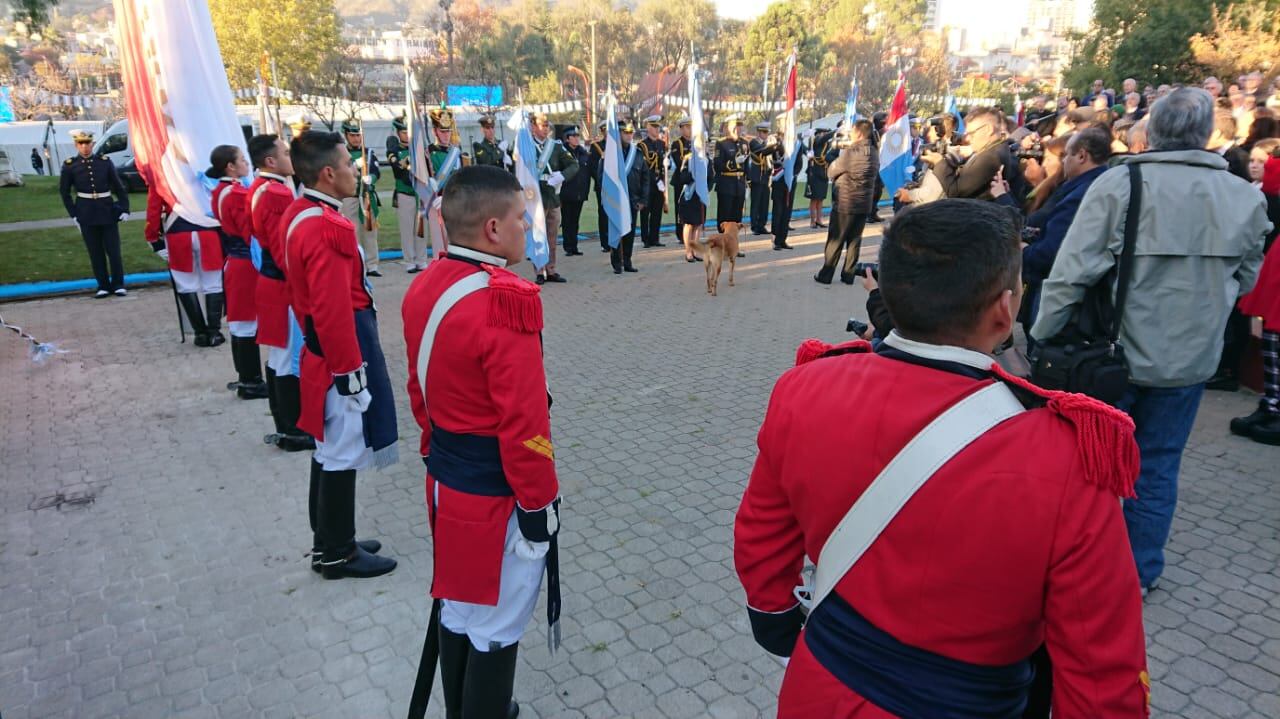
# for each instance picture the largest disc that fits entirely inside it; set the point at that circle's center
(221, 156)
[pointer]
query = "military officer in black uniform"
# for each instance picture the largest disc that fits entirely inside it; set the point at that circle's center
(489, 151)
(764, 150)
(93, 179)
(681, 146)
(730, 163)
(597, 171)
(575, 191)
(654, 153)
(637, 174)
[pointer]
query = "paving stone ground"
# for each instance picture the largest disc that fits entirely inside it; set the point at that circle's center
(182, 589)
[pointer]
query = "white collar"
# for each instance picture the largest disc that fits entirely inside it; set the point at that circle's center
(273, 176)
(326, 199)
(226, 179)
(942, 353)
(477, 255)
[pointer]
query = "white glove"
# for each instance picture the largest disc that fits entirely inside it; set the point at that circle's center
(809, 154)
(556, 179)
(436, 203)
(76, 220)
(367, 179)
(164, 254)
(359, 401)
(506, 160)
(359, 163)
(740, 159)
(662, 186)
(124, 216)
(525, 549)
(502, 145)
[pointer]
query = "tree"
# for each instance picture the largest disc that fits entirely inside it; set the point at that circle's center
(771, 38)
(544, 89)
(32, 12)
(302, 36)
(1243, 38)
(671, 30)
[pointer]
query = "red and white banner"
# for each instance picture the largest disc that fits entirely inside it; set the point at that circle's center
(177, 98)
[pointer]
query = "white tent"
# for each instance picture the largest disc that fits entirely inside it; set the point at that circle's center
(18, 138)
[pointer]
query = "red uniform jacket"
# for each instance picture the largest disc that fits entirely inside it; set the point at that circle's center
(485, 378)
(325, 275)
(179, 238)
(239, 280)
(1019, 540)
(268, 200)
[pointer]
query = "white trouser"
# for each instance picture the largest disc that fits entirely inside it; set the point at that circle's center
(343, 447)
(491, 628)
(284, 360)
(198, 280)
(243, 329)
(414, 247)
(368, 238)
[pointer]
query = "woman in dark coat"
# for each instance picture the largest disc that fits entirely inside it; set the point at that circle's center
(854, 175)
(690, 211)
(815, 187)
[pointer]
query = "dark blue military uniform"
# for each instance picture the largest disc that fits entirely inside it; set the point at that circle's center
(87, 187)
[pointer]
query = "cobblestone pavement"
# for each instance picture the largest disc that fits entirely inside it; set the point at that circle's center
(182, 589)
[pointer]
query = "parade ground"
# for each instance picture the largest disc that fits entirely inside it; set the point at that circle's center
(152, 548)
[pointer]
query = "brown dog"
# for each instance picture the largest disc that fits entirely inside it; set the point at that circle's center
(717, 247)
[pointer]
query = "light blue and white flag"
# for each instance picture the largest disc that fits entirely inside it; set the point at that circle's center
(951, 108)
(698, 161)
(851, 104)
(617, 202)
(525, 154)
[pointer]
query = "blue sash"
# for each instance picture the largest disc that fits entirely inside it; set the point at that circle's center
(380, 433)
(906, 681)
(468, 463)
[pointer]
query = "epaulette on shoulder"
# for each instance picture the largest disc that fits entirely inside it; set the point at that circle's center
(812, 349)
(514, 302)
(1104, 434)
(344, 241)
(68, 162)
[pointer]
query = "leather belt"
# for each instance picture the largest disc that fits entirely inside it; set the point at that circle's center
(94, 195)
(731, 174)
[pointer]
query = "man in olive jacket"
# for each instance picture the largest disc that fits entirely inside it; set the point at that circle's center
(1199, 248)
(555, 167)
(854, 175)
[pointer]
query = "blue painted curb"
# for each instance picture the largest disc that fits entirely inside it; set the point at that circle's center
(28, 290)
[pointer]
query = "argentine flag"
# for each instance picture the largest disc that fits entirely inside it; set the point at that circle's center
(851, 104)
(951, 108)
(697, 126)
(895, 145)
(617, 204)
(789, 142)
(525, 154)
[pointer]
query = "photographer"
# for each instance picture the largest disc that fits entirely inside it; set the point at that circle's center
(1085, 159)
(966, 171)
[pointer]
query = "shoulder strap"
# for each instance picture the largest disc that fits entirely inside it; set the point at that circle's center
(945, 437)
(1130, 241)
(471, 283)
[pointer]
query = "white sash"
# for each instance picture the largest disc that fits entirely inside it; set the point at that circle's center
(298, 220)
(945, 437)
(471, 283)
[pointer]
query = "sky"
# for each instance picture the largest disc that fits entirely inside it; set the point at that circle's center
(741, 9)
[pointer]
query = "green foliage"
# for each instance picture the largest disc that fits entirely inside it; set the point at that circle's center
(301, 35)
(33, 12)
(544, 89)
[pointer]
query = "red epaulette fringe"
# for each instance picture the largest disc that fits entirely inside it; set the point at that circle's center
(1103, 433)
(812, 349)
(514, 303)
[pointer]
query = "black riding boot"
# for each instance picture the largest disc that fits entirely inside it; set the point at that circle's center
(343, 556)
(490, 680)
(248, 363)
(454, 650)
(273, 405)
(214, 304)
(289, 403)
(195, 317)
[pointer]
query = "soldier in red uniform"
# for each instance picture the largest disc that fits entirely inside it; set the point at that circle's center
(269, 196)
(473, 335)
(194, 254)
(347, 403)
(1014, 544)
(231, 209)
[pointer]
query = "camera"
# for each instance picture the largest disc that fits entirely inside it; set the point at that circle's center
(861, 268)
(857, 327)
(1035, 152)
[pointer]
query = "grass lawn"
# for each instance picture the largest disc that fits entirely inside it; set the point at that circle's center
(38, 199)
(59, 253)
